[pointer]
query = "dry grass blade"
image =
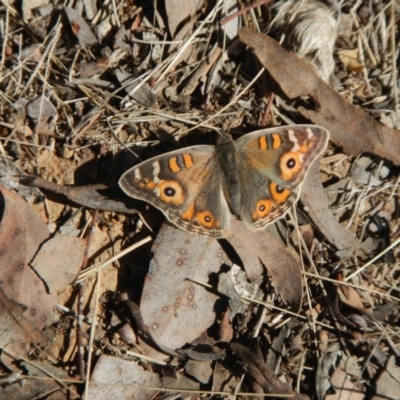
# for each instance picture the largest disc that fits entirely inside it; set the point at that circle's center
(94, 269)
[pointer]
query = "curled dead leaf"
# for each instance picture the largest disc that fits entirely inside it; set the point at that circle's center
(349, 59)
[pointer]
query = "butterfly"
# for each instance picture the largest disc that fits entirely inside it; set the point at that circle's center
(256, 177)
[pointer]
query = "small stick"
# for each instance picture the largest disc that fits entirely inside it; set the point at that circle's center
(81, 362)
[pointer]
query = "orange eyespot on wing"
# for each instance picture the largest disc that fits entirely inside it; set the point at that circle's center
(170, 192)
(263, 208)
(290, 164)
(207, 220)
(279, 194)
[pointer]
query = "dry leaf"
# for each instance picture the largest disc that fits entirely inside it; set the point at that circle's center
(201, 371)
(316, 204)
(260, 373)
(179, 11)
(115, 378)
(225, 331)
(137, 89)
(90, 68)
(343, 380)
(282, 267)
(349, 59)
(388, 383)
(15, 330)
(80, 28)
(38, 386)
(40, 109)
(326, 362)
(350, 296)
(20, 237)
(121, 379)
(29, 6)
(59, 261)
(175, 309)
(24, 268)
(98, 197)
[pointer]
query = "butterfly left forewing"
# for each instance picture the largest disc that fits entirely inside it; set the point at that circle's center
(274, 162)
(182, 184)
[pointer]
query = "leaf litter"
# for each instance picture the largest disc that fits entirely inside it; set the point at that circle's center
(309, 306)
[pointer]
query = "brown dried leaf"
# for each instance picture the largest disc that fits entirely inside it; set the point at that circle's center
(316, 203)
(127, 334)
(15, 330)
(20, 237)
(40, 109)
(178, 257)
(201, 371)
(80, 28)
(90, 68)
(59, 261)
(282, 267)
(260, 373)
(182, 382)
(30, 276)
(388, 383)
(344, 384)
(44, 128)
(29, 6)
(39, 387)
(175, 309)
(225, 331)
(307, 233)
(179, 11)
(349, 126)
(111, 371)
(350, 296)
(249, 259)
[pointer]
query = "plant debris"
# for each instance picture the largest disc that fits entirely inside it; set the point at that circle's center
(100, 297)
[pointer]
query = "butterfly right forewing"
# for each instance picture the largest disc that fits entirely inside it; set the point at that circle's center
(273, 163)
